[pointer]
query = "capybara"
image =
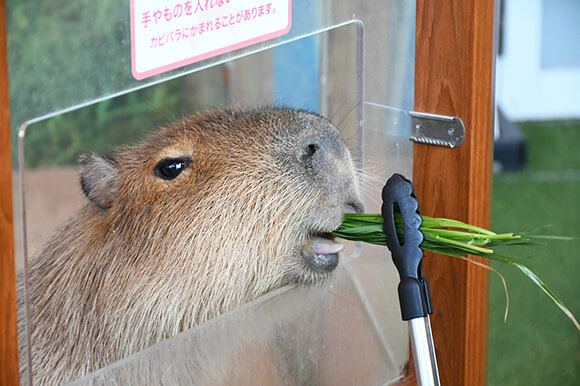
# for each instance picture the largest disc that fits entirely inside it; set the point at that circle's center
(202, 216)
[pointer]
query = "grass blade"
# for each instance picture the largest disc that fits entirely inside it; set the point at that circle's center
(540, 284)
(457, 239)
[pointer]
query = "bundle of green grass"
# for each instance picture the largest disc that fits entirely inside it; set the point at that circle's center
(453, 238)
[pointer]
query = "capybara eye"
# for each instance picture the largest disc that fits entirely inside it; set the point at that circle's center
(170, 168)
(310, 149)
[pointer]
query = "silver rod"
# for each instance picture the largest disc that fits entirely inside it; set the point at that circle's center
(423, 352)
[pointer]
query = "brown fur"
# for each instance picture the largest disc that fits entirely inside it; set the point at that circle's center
(147, 258)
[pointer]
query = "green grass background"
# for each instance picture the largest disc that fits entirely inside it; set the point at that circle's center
(539, 345)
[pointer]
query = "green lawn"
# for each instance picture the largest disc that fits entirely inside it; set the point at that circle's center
(538, 345)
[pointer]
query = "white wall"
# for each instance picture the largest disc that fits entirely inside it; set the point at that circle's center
(526, 89)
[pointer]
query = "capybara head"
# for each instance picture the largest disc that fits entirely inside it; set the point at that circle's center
(202, 216)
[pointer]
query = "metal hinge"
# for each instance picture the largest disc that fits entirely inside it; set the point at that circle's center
(436, 129)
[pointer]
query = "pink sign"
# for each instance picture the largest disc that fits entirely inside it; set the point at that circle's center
(167, 34)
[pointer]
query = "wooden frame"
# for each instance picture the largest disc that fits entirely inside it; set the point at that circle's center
(8, 331)
(453, 76)
(454, 63)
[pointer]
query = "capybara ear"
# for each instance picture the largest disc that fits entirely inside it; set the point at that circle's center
(99, 179)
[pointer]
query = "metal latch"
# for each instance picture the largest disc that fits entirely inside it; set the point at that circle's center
(436, 129)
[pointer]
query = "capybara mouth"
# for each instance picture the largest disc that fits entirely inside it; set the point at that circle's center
(321, 252)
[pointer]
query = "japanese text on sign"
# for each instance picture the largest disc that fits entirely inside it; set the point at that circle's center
(167, 34)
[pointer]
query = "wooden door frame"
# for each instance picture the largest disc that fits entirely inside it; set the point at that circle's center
(8, 330)
(454, 75)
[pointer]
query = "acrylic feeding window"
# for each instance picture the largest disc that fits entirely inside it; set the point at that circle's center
(119, 163)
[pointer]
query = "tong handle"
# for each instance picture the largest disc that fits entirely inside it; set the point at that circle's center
(414, 294)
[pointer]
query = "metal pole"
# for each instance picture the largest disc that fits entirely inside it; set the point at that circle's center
(423, 352)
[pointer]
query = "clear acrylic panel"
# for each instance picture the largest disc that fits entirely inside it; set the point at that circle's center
(343, 331)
